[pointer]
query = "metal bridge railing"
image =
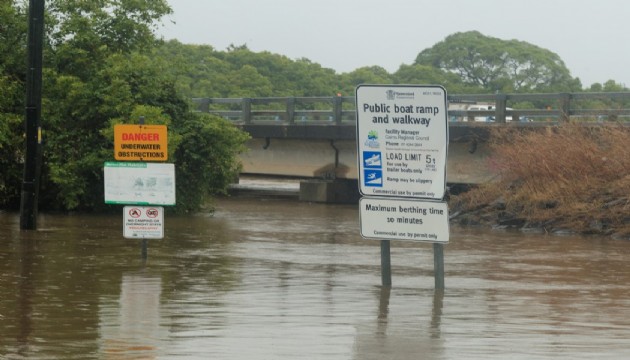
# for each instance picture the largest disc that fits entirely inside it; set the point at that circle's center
(340, 110)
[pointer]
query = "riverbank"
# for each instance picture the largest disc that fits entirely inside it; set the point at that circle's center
(569, 179)
(496, 215)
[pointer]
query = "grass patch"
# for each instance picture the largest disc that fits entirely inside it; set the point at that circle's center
(569, 177)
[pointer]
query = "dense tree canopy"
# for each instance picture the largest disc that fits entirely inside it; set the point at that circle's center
(499, 65)
(423, 74)
(238, 72)
(464, 63)
(12, 76)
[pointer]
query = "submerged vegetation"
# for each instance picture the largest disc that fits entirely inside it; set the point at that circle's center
(565, 179)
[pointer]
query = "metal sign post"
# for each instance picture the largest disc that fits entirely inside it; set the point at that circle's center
(144, 222)
(386, 264)
(402, 140)
(32, 159)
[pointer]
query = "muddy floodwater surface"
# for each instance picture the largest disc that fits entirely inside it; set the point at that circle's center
(281, 279)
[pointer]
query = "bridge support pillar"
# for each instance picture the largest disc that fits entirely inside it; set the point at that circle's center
(338, 191)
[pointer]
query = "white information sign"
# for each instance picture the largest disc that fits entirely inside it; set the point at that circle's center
(139, 183)
(402, 138)
(143, 222)
(404, 219)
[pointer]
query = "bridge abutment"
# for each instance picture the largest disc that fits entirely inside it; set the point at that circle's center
(467, 162)
(338, 191)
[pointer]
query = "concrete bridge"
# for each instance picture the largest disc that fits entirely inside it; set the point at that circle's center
(328, 157)
(315, 137)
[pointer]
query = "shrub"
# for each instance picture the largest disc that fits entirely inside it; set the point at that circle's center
(206, 159)
(570, 176)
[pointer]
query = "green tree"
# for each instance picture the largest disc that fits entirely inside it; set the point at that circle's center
(84, 108)
(100, 69)
(13, 31)
(423, 74)
(248, 82)
(606, 102)
(94, 72)
(199, 70)
(120, 25)
(493, 64)
(207, 158)
(365, 75)
(287, 77)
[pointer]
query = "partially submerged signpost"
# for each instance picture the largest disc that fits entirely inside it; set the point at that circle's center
(145, 222)
(402, 141)
(134, 181)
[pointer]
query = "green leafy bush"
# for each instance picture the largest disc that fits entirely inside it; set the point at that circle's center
(206, 159)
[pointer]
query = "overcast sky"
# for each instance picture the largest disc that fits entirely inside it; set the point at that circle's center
(592, 37)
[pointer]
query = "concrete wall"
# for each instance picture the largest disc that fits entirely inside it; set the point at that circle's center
(467, 161)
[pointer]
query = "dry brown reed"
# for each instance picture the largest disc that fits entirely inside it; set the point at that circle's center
(571, 176)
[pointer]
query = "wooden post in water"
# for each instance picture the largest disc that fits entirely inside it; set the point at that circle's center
(386, 264)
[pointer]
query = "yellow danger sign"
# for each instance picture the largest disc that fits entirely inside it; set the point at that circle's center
(140, 142)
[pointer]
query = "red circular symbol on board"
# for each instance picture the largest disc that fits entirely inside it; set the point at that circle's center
(152, 213)
(135, 212)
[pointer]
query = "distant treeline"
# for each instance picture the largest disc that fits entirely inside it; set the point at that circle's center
(465, 63)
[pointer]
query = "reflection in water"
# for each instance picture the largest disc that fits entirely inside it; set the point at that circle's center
(279, 279)
(26, 292)
(134, 331)
(401, 338)
(383, 309)
(436, 315)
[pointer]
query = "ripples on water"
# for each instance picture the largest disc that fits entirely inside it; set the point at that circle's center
(280, 279)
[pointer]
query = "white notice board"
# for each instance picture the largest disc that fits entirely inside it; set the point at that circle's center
(143, 222)
(402, 140)
(139, 183)
(404, 219)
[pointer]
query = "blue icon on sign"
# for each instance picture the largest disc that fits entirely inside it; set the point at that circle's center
(372, 159)
(373, 178)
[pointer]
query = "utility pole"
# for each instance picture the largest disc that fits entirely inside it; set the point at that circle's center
(32, 161)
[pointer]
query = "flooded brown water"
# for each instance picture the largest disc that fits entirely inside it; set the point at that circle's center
(281, 279)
